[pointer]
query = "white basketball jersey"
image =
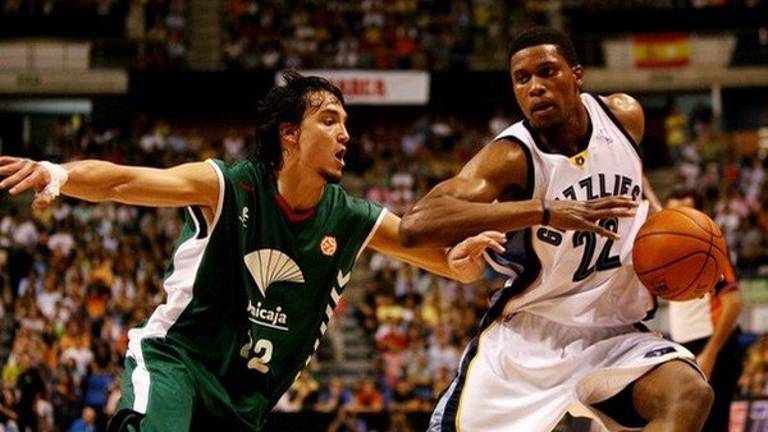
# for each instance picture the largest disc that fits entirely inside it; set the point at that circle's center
(581, 279)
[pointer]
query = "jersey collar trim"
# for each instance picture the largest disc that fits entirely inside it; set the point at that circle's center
(293, 215)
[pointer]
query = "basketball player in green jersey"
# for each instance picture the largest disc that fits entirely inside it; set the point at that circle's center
(265, 253)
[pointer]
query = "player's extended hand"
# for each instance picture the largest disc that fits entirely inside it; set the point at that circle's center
(584, 215)
(466, 258)
(22, 174)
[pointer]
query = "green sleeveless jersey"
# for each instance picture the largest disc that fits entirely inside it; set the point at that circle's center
(250, 296)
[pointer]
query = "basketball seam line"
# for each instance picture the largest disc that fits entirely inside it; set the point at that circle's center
(709, 255)
(672, 262)
(709, 228)
(640, 237)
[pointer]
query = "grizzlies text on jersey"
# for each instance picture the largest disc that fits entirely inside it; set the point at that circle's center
(577, 277)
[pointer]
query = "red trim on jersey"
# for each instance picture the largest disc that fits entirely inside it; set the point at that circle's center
(294, 216)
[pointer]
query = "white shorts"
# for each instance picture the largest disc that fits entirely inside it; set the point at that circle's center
(525, 373)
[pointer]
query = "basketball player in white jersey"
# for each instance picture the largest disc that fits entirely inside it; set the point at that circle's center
(566, 185)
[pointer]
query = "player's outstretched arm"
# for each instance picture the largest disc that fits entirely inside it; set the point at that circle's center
(464, 206)
(96, 181)
(464, 262)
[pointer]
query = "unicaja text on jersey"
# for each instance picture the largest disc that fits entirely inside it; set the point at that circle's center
(263, 315)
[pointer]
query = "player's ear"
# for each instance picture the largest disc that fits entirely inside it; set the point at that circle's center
(289, 135)
(578, 73)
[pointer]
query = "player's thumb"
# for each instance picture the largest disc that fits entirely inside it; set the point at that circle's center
(41, 201)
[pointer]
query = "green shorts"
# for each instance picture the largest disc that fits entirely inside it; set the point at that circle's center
(165, 391)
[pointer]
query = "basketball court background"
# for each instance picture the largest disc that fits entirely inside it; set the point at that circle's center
(160, 82)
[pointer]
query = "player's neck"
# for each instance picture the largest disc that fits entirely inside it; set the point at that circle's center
(299, 190)
(567, 137)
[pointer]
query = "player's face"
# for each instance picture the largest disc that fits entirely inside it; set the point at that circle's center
(546, 87)
(323, 136)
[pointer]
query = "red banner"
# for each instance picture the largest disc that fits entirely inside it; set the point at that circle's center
(661, 50)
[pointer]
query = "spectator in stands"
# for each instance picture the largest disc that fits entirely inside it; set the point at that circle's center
(8, 414)
(302, 394)
(86, 423)
(32, 389)
(334, 396)
(709, 328)
(676, 128)
(404, 401)
(442, 355)
(366, 399)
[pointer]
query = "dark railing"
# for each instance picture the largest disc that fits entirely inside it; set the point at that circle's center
(66, 24)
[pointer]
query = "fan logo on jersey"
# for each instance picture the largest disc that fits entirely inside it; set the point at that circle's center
(268, 266)
(328, 245)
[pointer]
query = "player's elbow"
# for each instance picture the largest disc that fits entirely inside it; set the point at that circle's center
(419, 226)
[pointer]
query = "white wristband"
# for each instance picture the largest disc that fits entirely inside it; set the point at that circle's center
(59, 176)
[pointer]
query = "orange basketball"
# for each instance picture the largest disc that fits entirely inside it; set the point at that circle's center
(679, 254)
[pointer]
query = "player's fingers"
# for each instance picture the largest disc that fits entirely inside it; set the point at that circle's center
(476, 248)
(15, 178)
(33, 180)
(5, 160)
(610, 202)
(496, 236)
(495, 245)
(601, 231)
(480, 240)
(482, 244)
(611, 213)
(11, 167)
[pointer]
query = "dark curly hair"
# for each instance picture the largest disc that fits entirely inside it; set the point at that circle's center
(285, 104)
(545, 36)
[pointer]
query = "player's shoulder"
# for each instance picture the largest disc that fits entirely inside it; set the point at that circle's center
(628, 111)
(241, 170)
(348, 206)
(511, 146)
(512, 133)
(622, 103)
(341, 198)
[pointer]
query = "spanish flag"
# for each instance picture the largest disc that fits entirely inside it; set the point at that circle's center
(661, 50)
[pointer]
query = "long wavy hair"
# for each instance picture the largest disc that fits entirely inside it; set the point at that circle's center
(285, 104)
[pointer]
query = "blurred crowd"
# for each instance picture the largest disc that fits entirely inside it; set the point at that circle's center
(363, 34)
(76, 277)
(155, 30)
(733, 185)
(754, 380)
(161, 28)
(51, 7)
(370, 34)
